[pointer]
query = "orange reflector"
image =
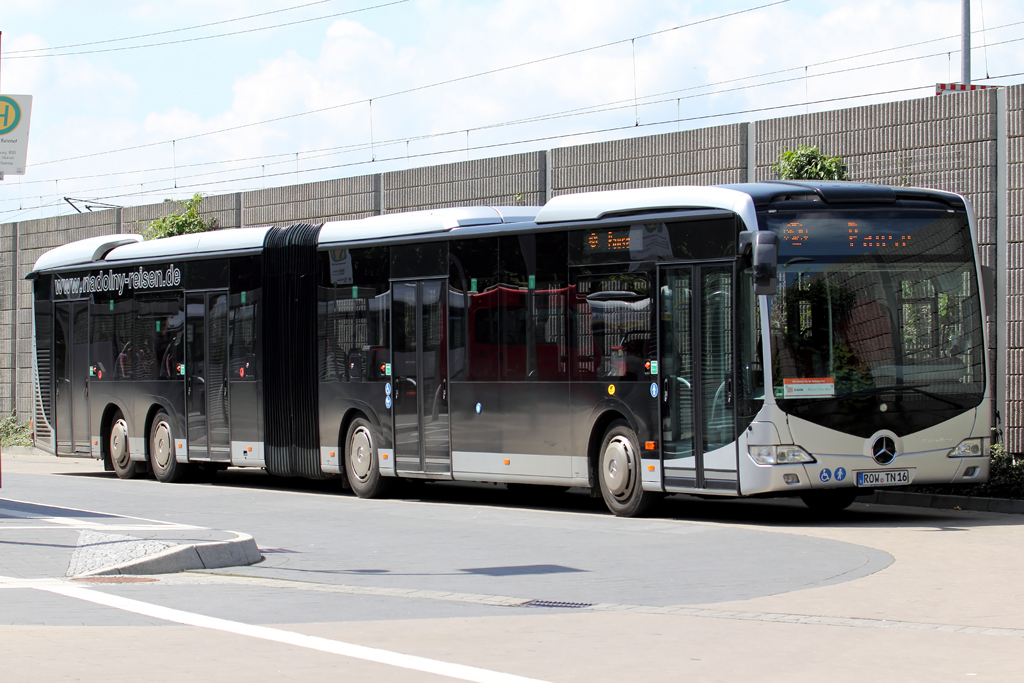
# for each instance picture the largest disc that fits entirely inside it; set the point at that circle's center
(332, 454)
(650, 468)
(95, 443)
(651, 445)
(249, 449)
(507, 461)
(179, 445)
(385, 456)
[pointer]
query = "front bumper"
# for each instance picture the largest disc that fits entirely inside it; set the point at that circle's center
(840, 471)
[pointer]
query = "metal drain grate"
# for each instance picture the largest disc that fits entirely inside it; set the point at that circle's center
(557, 605)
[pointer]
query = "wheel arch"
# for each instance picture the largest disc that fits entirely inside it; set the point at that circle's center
(157, 407)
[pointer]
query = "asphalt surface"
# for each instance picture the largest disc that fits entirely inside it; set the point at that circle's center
(455, 576)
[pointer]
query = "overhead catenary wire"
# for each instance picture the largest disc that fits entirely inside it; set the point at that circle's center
(489, 72)
(218, 35)
(648, 100)
(171, 30)
(152, 190)
(436, 84)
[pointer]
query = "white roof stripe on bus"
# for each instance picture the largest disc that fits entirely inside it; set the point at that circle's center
(593, 205)
(82, 251)
(421, 222)
(231, 239)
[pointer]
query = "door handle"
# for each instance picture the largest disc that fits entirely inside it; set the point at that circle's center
(444, 390)
(728, 391)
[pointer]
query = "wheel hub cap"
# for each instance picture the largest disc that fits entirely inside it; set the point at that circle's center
(361, 449)
(162, 445)
(119, 443)
(618, 465)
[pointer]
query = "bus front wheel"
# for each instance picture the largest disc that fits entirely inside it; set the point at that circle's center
(166, 467)
(361, 465)
(619, 472)
(124, 466)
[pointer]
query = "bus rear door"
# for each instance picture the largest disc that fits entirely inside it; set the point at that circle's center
(70, 378)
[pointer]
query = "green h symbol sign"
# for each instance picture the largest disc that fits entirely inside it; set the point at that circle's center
(5, 113)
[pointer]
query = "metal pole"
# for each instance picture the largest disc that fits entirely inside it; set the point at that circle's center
(965, 43)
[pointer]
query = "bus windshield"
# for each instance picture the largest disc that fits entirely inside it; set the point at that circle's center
(878, 316)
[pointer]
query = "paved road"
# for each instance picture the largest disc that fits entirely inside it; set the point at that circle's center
(469, 583)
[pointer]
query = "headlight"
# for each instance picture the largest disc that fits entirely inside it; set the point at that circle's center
(779, 455)
(968, 448)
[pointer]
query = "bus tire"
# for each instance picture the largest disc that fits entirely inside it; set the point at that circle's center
(166, 467)
(117, 443)
(361, 467)
(830, 500)
(618, 472)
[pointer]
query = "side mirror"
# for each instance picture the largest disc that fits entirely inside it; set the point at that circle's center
(764, 249)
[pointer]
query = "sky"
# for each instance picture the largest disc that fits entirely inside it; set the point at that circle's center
(138, 102)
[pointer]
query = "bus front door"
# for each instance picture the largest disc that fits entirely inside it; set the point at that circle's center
(71, 377)
(206, 376)
(420, 378)
(698, 380)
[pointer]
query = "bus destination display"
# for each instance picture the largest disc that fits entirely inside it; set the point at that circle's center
(796, 234)
(606, 241)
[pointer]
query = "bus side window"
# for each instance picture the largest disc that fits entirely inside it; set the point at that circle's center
(242, 336)
(532, 307)
(473, 335)
(612, 320)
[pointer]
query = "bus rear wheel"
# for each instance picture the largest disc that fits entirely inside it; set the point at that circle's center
(361, 465)
(829, 500)
(165, 465)
(619, 472)
(120, 457)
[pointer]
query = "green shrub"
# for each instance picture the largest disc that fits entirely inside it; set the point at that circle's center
(808, 163)
(14, 433)
(184, 222)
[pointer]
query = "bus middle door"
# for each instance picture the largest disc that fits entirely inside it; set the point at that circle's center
(420, 378)
(206, 376)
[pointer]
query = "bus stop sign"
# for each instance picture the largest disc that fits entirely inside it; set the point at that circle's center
(15, 114)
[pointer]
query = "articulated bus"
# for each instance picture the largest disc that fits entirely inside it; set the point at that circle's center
(770, 339)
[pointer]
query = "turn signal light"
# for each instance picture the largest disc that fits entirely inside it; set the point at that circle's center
(650, 468)
(650, 445)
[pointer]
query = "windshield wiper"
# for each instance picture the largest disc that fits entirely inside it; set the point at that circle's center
(874, 391)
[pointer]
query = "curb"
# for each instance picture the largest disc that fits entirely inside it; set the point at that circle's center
(237, 552)
(945, 502)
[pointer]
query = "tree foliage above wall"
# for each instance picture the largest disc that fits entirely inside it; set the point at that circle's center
(808, 163)
(186, 221)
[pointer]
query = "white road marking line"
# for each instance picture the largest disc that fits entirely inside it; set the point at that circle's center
(101, 527)
(370, 654)
(26, 515)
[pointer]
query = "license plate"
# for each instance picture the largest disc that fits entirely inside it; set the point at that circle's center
(885, 478)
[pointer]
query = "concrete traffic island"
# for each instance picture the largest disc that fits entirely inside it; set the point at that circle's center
(235, 552)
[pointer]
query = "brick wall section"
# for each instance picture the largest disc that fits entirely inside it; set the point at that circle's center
(1014, 325)
(707, 156)
(329, 200)
(515, 180)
